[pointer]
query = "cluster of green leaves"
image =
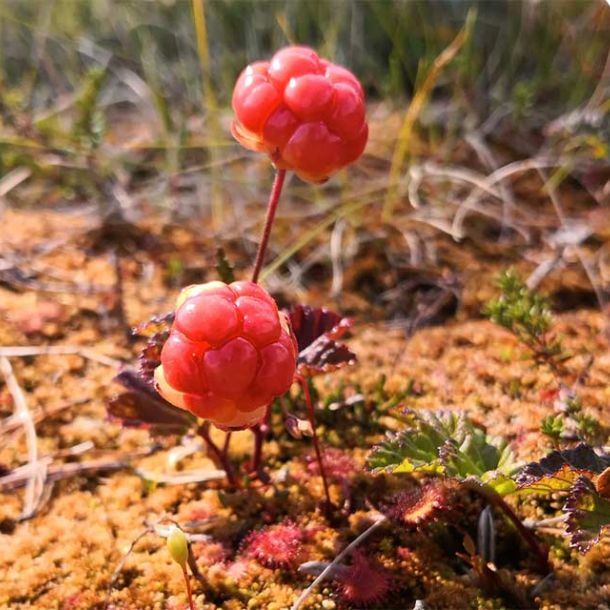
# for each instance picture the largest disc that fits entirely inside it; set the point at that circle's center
(449, 444)
(527, 315)
(572, 422)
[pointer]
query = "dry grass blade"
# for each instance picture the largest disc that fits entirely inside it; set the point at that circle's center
(470, 203)
(338, 559)
(549, 188)
(58, 350)
(13, 179)
(121, 564)
(419, 100)
(35, 484)
(182, 478)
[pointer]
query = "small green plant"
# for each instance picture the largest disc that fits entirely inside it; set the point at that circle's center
(450, 445)
(527, 315)
(553, 427)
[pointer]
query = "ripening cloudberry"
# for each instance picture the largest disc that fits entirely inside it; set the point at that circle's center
(230, 352)
(305, 112)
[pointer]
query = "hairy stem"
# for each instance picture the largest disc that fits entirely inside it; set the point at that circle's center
(316, 443)
(274, 199)
(530, 538)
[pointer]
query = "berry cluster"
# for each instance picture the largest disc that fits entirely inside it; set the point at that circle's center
(230, 352)
(305, 112)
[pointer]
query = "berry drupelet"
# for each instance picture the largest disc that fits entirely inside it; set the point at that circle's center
(305, 112)
(229, 354)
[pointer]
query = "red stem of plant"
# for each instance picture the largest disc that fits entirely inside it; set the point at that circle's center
(316, 443)
(496, 500)
(221, 455)
(274, 199)
(259, 431)
(189, 590)
(225, 447)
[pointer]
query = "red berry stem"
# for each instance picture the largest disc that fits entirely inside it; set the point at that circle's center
(495, 499)
(316, 443)
(189, 590)
(259, 431)
(225, 447)
(221, 456)
(274, 199)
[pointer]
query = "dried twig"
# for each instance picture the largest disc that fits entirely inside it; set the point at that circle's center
(59, 350)
(19, 476)
(117, 571)
(38, 470)
(338, 559)
(182, 478)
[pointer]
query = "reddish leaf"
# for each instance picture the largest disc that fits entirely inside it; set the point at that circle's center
(310, 323)
(588, 514)
(154, 325)
(157, 330)
(140, 406)
(317, 331)
(323, 356)
(420, 505)
(559, 469)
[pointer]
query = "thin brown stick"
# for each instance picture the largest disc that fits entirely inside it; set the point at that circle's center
(338, 559)
(121, 564)
(189, 590)
(495, 499)
(58, 350)
(316, 443)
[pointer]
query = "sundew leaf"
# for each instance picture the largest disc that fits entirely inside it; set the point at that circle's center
(446, 443)
(587, 514)
(559, 469)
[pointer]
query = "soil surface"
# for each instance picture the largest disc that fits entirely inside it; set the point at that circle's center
(108, 488)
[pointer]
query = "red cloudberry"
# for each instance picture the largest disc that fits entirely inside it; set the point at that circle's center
(307, 113)
(230, 352)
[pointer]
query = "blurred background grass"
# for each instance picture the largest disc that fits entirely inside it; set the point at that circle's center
(127, 103)
(529, 53)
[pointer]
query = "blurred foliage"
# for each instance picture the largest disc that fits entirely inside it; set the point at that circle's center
(110, 95)
(527, 52)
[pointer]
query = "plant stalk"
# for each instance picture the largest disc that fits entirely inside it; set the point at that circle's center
(221, 455)
(316, 443)
(189, 590)
(274, 198)
(259, 431)
(495, 499)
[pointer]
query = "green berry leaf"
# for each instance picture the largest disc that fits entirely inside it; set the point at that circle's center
(224, 267)
(446, 443)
